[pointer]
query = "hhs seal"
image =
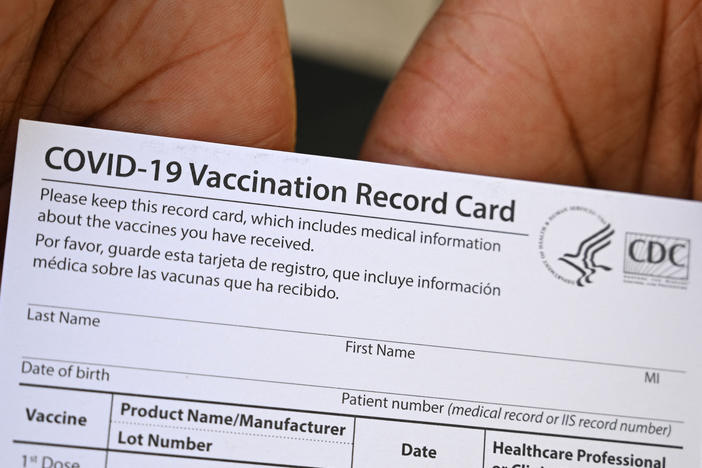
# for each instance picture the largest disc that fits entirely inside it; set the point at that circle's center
(573, 245)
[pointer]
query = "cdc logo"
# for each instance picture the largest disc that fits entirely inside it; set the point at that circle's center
(660, 256)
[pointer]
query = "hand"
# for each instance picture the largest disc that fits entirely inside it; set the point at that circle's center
(217, 70)
(590, 92)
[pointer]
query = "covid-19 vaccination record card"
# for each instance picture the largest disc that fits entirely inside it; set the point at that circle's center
(174, 303)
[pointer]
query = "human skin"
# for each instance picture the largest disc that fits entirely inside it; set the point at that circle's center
(592, 92)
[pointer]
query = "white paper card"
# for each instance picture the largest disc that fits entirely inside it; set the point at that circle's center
(176, 303)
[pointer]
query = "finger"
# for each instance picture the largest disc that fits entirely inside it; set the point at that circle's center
(20, 25)
(669, 166)
(218, 70)
(553, 91)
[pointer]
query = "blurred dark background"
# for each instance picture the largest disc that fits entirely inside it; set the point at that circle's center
(334, 107)
(345, 54)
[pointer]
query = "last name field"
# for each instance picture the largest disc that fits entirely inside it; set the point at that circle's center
(62, 317)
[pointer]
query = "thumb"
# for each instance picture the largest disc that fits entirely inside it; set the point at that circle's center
(582, 92)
